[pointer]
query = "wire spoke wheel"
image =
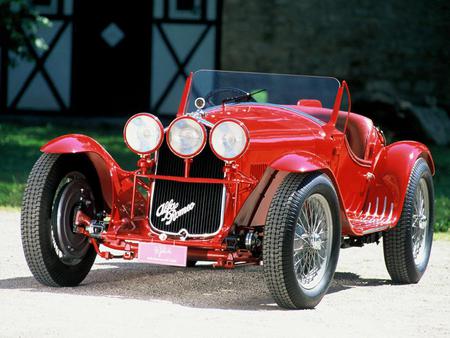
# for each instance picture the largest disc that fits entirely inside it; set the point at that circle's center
(407, 246)
(420, 223)
(312, 241)
(302, 240)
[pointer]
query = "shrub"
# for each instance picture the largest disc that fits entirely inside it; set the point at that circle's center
(442, 213)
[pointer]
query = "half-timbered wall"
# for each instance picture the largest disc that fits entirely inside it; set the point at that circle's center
(112, 57)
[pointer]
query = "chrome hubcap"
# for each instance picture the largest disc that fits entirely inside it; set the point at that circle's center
(312, 241)
(420, 222)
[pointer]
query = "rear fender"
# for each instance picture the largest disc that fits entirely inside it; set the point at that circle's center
(109, 172)
(255, 208)
(392, 170)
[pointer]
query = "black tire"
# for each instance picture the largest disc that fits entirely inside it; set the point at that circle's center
(278, 243)
(398, 241)
(42, 189)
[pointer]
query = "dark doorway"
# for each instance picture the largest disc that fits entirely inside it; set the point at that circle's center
(111, 57)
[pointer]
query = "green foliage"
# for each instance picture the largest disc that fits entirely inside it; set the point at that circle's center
(442, 236)
(441, 157)
(442, 222)
(19, 23)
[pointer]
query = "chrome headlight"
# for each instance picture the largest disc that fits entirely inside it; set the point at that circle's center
(186, 137)
(143, 133)
(229, 139)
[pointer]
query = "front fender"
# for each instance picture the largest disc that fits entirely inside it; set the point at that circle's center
(255, 208)
(300, 162)
(304, 162)
(76, 143)
(392, 170)
(108, 171)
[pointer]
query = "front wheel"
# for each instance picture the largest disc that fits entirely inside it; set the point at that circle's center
(57, 186)
(301, 240)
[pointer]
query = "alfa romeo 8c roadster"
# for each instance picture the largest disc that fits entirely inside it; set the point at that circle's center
(265, 169)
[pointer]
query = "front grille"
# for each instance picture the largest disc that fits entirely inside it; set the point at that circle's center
(205, 216)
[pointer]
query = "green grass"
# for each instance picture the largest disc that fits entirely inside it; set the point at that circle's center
(19, 149)
(442, 236)
(441, 157)
(9, 208)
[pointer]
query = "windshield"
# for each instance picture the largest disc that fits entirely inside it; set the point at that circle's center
(222, 86)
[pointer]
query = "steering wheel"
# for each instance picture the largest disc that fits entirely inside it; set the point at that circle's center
(217, 96)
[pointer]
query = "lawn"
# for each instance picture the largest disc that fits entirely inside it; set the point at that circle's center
(19, 149)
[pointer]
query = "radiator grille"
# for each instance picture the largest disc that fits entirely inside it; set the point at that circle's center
(205, 217)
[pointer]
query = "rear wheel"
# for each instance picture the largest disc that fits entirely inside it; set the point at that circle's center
(407, 247)
(301, 240)
(57, 186)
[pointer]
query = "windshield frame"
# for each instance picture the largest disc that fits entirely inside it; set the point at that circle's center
(274, 80)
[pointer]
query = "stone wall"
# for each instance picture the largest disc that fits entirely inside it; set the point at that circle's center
(396, 48)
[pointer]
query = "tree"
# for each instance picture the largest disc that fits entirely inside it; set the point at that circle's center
(19, 23)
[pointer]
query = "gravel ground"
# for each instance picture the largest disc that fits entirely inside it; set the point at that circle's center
(120, 299)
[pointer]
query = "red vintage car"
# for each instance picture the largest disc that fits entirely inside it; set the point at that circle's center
(255, 169)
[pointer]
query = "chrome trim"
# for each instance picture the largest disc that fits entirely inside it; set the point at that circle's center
(374, 230)
(199, 116)
(206, 123)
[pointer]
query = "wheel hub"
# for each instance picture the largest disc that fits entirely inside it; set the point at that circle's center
(71, 247)
(422, 222)
(312, 241)
(315, 241)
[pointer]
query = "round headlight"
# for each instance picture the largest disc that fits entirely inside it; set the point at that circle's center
(229, 139)
(186, 137)
(143, 133)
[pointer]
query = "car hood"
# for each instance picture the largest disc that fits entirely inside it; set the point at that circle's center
(267, 120)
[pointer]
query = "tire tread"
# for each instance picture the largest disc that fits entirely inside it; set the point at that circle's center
(37, 203)
(274, 274)
(397, 241)
(32, 215)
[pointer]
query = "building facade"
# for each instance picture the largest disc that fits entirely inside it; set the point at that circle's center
(113, 57)
(110, 57)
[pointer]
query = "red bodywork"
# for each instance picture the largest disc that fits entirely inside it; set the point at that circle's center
(370, 178)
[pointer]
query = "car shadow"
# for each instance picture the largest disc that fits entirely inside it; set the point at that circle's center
(202, 286)
(347, 280)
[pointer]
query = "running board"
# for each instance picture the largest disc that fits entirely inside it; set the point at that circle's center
(373, 219)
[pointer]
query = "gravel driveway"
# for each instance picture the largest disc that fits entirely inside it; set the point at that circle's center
(121, 299)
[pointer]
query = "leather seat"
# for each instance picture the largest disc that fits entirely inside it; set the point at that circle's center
(359, 128)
